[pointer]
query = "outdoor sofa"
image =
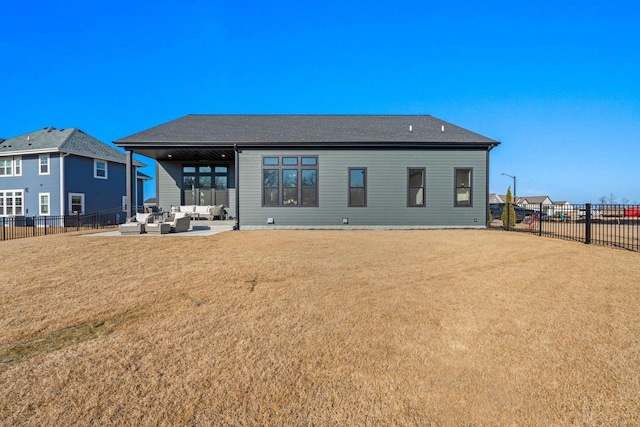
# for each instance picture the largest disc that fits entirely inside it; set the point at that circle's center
(197, 212)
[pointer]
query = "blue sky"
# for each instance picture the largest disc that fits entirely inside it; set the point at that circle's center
(558, 83)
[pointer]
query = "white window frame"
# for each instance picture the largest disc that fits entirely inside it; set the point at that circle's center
(40, 204)
(12, 166)
(42, 157)
(124, 203)
(95, 169)
(4, 204)
(71, 195)
(17, 166)
(7, 166)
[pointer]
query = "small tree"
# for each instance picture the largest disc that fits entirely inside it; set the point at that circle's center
(508, 212)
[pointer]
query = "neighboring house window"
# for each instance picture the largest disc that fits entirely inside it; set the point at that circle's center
(44, 164)
(100, 169)
(17, 166)
(11, 166)
(290, 181)
(44, 203)
(76, 203)
(415, 186)
(463, 187)
(357, 187)
(124, 203)
(11, 202)
(6, 167)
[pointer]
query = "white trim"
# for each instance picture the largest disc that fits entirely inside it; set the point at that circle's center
(16, 160)
(13, 205)
(40, 204)
(95, 169)
(62, 182)
(40, 164)
(71, 205)
(13, 160)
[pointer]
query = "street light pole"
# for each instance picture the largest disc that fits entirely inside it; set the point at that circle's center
(514, 184)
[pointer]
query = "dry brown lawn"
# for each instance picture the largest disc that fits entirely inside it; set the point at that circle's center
(442, 327)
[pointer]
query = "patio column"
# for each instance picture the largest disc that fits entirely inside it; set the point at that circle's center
(130, 185)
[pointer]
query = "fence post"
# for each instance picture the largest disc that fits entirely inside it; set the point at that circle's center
(78, 221)
(587, 231)
(540, 221)
(4, 228)
(45, 225)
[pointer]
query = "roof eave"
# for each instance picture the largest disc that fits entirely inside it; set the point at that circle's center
(150, 145)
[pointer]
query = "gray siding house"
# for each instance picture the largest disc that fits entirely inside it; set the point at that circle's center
(62, 171)
(322, 171)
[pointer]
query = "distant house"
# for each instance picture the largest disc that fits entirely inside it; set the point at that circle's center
(496, 198)
(322, 171)
(533, 202)
(562, 206)
(55, 172)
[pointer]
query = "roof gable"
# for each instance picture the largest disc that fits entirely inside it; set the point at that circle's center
(305, 129)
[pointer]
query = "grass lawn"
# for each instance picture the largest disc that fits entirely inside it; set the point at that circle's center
(442, 327)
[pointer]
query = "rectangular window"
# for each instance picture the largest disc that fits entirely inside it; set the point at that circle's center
(11, 166)
(290, 187)
(415, 187)
(76, 203)
(463, 187)
(100, 169)
(270, 161)
(6, 167)
(270, 185)
(357, 187)
(44, 203)
(11, 203)
(290, 181)
(309, 187)
(44, 164)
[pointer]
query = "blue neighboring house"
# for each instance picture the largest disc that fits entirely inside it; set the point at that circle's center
(63, 171)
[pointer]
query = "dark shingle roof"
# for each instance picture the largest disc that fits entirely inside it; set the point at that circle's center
(72, 141)
(214, 130)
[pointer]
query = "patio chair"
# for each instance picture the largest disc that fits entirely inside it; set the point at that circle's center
(180, 222)
(135, 224)
(217, 211)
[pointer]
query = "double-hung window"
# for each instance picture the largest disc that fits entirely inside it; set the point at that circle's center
(463, 191)
(357, 187)
(99, 169)
(11, 202)
(76, 203)
(11, 166)
(290, 181)
(43, 164)
(44, 203)
(415, 186)
(6, 167)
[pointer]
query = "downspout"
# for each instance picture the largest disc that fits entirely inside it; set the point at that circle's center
(62, 182)
(237, 183)
(486, 198)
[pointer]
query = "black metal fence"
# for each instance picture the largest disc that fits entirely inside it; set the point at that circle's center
(607, 225)
(18, 227)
